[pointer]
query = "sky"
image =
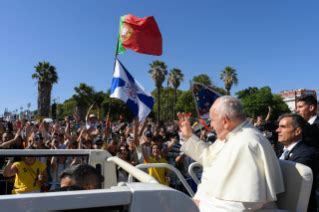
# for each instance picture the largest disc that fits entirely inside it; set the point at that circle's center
(271, 43)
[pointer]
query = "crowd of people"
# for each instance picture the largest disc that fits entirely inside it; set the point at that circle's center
(133, 142)
(234, 146)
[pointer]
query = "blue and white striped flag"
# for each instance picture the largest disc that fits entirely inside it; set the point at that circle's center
(127, 89)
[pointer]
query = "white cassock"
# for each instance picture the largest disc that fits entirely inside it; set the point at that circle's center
(241, 172)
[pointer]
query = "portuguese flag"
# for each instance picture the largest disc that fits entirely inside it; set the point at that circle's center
(139, 34)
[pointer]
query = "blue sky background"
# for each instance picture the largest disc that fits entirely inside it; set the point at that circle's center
(269, 42)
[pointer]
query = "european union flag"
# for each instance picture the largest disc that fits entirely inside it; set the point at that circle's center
(204, 98)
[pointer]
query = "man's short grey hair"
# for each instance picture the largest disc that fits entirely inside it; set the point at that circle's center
(231, 107)
(297, 120)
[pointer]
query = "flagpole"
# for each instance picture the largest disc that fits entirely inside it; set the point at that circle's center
(116, 52)
(114, 64)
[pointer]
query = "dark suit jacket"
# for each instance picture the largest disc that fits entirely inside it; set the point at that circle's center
(316, 122)
(310, 134)
(307, 155)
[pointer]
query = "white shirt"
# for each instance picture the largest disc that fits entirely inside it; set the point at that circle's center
(291, 146)
(286, 150)
(312, 119)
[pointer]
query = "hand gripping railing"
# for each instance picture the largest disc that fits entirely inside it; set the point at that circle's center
(138, 174)
(192, 173)
(167, 166)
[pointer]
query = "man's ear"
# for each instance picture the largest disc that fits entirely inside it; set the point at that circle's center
(311, 108)
(226, 122)
(298, 131)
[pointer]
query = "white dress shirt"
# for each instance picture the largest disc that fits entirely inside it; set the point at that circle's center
(312, 119)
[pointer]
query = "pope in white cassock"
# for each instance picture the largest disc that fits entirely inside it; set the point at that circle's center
(240, 169)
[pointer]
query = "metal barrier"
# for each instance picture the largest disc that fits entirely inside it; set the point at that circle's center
(192, 173)
(167, 166)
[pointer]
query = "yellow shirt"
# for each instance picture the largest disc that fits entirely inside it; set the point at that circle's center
(25, 178)
(158, 173)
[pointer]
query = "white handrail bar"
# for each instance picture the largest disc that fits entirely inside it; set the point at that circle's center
(167, 166)
(132, 170)
(191, 171)
(48, 152)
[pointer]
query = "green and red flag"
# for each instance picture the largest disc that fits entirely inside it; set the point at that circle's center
(139, 34)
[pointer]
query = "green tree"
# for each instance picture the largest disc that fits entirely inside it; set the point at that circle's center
(46, 76)
(203, 78)
(84, 97)
(256, 102)
(66, 109)
(116, 108)
(220, 90)
(167, 99)
(279, 107)
(185, 103)
(229, 76)
(158, 73)
(175, 78)
(98, 99)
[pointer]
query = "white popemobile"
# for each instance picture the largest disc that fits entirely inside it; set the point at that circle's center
(147, 195)
(144, 196)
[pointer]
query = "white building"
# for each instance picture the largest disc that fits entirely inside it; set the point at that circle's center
(291, 96)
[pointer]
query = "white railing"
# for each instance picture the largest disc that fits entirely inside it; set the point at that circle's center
(167, 166)
(191, 172)
(47, 152)
(132, 170)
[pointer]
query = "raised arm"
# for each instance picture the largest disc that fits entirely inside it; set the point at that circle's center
(193, 146)
(79, 139)
(88, 112)
(144, 153)
(140, 133)
(107, 125)
(10, 169)
(268, 114)
(7, 144)
(136, 133)
(184, 125)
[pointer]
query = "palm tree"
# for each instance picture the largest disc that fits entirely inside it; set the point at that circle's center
(158, 72)
(229, 76)
(46, 76)
(175, 78)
